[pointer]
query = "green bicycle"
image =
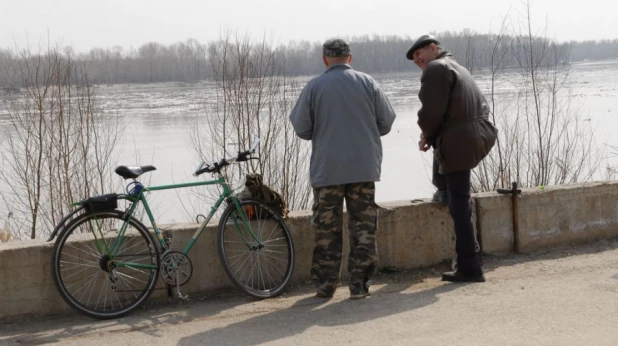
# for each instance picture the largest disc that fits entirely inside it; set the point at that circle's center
(105, 262)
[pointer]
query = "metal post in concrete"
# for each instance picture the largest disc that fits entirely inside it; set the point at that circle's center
(514, 191)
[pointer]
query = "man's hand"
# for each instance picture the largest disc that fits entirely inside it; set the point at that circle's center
(423, 144)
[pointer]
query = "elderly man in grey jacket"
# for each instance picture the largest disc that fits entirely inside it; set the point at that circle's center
(343, 113)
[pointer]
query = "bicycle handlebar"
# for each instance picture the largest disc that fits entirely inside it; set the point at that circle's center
(217, 166)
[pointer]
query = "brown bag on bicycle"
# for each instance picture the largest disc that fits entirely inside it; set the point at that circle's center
(255, 189)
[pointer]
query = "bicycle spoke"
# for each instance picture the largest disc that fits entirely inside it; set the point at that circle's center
(81, 271)
(260, 272)
(139, 270)
(246, 258)
(93, 254)
(80, 264)
(75, 258)
(251, 271)
(276, 266)
(93, 278)
(118, 300)
(276, 239)
(248, 267)
(273, 262)
(260, 227)
(274, 252)
(129, 285)
(268, 267)
(273, 234)
(235, 242)
(90, 243)
(126, 276)
(91, 286)
(271, 279)
(240, 255)
(139, 253)
(103, 292)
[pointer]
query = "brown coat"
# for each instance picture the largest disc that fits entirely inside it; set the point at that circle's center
(454, 115)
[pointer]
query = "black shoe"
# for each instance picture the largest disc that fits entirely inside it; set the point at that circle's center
(440, 196)
(459, 276)
(359, 291)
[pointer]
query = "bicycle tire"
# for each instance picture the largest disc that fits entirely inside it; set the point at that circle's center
(110, 292)
(235, 246)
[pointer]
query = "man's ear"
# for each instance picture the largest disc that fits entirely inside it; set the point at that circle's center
(434, 48)
(325, 61)
(350, 59)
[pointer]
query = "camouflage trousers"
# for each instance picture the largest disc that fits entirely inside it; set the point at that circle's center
(328, 223)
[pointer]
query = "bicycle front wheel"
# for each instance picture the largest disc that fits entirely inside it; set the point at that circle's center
(99, 274)
(262, 271)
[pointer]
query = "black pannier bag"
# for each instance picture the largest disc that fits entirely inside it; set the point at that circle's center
(102, 202)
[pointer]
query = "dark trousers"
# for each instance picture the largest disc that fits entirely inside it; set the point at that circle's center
(457, 185)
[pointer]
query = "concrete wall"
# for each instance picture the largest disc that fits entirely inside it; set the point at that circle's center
(559, 215)
(410, 235)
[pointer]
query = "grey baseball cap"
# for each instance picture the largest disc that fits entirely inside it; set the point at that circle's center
(336, 47)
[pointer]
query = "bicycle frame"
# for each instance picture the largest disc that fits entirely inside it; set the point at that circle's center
(135, 200)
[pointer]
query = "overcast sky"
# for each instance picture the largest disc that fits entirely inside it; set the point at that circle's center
(130, 23)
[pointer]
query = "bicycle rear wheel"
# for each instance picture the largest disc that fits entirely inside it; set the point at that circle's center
(98, 284)
(262, 272)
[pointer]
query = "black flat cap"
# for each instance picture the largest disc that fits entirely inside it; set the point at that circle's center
(422, 41)
(336, 48)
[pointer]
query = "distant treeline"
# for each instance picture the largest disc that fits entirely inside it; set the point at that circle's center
(188, 61)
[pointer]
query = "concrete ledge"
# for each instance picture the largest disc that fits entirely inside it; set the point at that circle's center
(495, 221)
(568, 214)
(414, 235)
(410, 235)
(26, 286)
(559, 215)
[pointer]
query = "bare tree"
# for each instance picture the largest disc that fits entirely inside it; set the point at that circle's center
(59, 145)
(254, 98)
(490, 173)
(469, 46)
(542, 140)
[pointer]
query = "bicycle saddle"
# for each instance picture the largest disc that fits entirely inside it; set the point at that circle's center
(133, 172)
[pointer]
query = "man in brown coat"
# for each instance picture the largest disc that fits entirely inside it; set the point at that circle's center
(454, 120)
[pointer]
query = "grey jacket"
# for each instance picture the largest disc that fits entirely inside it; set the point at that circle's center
(343, 112)
(454, 115)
